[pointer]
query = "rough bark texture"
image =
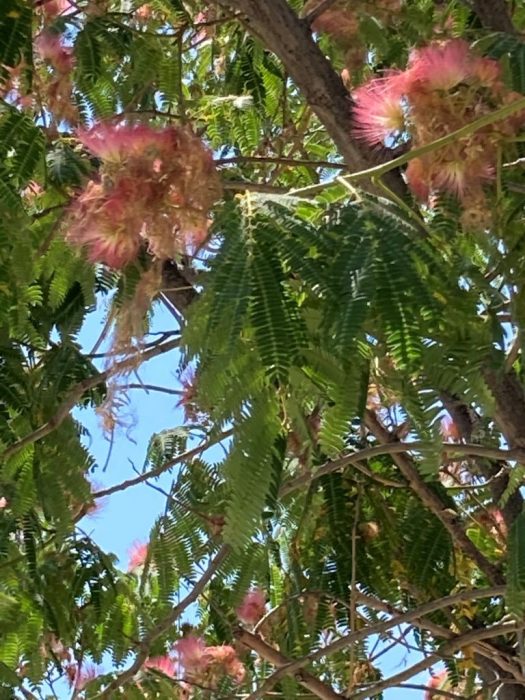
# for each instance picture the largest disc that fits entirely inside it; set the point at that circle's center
(465, 419)
(494, 15)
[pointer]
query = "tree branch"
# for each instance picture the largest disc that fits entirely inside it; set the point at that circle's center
(447, 649)
(267, 652)
(281, 31)
(165, 624)
(493, 15)
(379, 628)
(152, 473)
(394, 448)
(484, 649)
(432, 501)
(80, 389)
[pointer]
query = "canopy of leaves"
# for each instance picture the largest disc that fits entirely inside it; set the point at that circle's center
(329, 199)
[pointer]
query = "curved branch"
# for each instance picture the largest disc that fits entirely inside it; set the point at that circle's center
(395, 448)
(152, 473)
(267, 652)
(449, 648)
(434, 504)
(281, 31)
(379, 628)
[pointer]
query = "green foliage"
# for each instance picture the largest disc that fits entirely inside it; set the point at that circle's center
(322, 322)
(516, 567)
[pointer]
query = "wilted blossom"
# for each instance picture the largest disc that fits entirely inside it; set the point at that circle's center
(188, 397)
(252, 607)
(137, 555)
(445, 86)
(51, 48)
(156, 188)
(341, 19)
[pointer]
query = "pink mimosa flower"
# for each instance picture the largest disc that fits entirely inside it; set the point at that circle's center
(441, 66)
(378, 111)
(79, 677)
(436, 683)
(115, 142)
(137, 555)
(252, 607)
(449, 430)
(192, 653)
(55, 8)
(225, 656)
(163, 664)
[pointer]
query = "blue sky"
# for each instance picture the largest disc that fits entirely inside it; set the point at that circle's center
(127, 517)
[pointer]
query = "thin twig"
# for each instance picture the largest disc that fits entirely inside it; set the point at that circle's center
(377, 629)
(449, 648)
(293, 162)
(157, 471)
(79, 390)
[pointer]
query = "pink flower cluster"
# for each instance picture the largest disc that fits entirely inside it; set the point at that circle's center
(207, 664)
(137, 554)
(156, 187)
(51, 9)
(252, 607)
(199, 664)
(444, 87)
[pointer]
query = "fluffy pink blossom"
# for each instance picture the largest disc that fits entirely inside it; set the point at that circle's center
(378, 111)
(441, 66)
(226, 658)
(3, 503)
(193, 654)
(163, 664)
(117, 142)
(159, 188)
(103, 225)
(137, 555)
(51, 48)
(79, 677)
(456, 175)
(252, 607)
